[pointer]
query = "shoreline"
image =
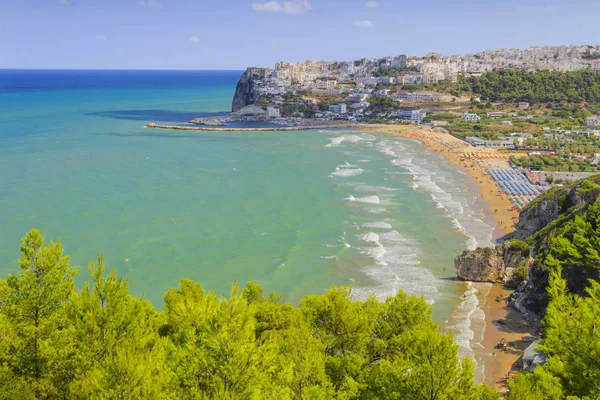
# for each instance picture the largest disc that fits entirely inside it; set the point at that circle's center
(451, 149)
(497, 364)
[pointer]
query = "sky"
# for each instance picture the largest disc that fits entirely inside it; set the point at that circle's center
(234, 34)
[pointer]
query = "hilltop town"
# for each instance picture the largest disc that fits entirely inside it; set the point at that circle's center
(307, 84)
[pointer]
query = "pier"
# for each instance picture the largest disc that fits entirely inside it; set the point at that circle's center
(152, 125)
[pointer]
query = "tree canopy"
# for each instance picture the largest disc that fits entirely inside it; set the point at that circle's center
(101, 342)
(539, 87)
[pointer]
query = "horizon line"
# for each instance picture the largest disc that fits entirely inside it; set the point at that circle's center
(116, 69)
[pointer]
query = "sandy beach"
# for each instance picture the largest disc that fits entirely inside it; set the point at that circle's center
(452, 149)
(502, 322)
(499, 364)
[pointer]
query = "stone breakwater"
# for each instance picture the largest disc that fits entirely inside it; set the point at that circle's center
(286, 128)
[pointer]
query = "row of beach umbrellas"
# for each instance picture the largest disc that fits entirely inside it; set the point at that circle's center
(514, 181)
(478, 156)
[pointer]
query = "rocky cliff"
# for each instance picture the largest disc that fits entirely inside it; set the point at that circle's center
(496, 264)
(548, 207)
(480, 265)
(246, 92)
(528, 255)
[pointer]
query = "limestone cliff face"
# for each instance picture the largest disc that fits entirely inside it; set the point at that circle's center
(534, 218)
(246, 92)
(549, 206)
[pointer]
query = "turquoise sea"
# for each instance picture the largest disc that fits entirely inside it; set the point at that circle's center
(297, 212)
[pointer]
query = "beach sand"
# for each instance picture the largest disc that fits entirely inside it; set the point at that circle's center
(498, 363)
(452, 149)
(518, 333)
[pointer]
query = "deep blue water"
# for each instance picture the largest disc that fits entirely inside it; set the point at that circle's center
(41, 80)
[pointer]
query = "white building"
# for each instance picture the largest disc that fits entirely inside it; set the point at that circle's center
(273, 112)
(413, 115)
(471, 117)
(329, 84)
(593, 122)
(399, 62)
(417, 96)
(502, 143)
(386, 80)
(412, 79)
(475, 141)
(338, 108)
(361, 104)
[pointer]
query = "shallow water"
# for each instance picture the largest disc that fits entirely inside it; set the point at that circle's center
(295, 211)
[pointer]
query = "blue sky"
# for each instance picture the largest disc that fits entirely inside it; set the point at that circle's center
(233, 34)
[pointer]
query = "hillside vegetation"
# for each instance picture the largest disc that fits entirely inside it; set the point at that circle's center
(515, 86)
(538, 87)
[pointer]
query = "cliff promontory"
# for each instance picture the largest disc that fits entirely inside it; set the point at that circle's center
(246, 91)
(560, 229)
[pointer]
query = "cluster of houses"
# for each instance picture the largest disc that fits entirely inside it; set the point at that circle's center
(354, 83)
(341, 111)
(403, 70)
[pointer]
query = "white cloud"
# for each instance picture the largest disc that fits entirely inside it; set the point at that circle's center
(100, 38)
(367, 23)
(287, 7)
(194, 39)
(372, 4)
(66, 2)
(149, 3)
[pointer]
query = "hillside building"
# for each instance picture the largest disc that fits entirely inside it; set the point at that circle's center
(338, 108)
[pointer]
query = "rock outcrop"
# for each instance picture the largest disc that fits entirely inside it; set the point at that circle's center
(496, 264)
(246, 91)
(480, 265)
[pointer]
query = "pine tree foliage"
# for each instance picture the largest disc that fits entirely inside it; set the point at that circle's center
(103, 343)
(572, 344)
(538, 87)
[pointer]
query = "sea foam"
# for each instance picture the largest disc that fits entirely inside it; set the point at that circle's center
(346, 172)
(366, 199)
(335, 141)
(378, 224)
